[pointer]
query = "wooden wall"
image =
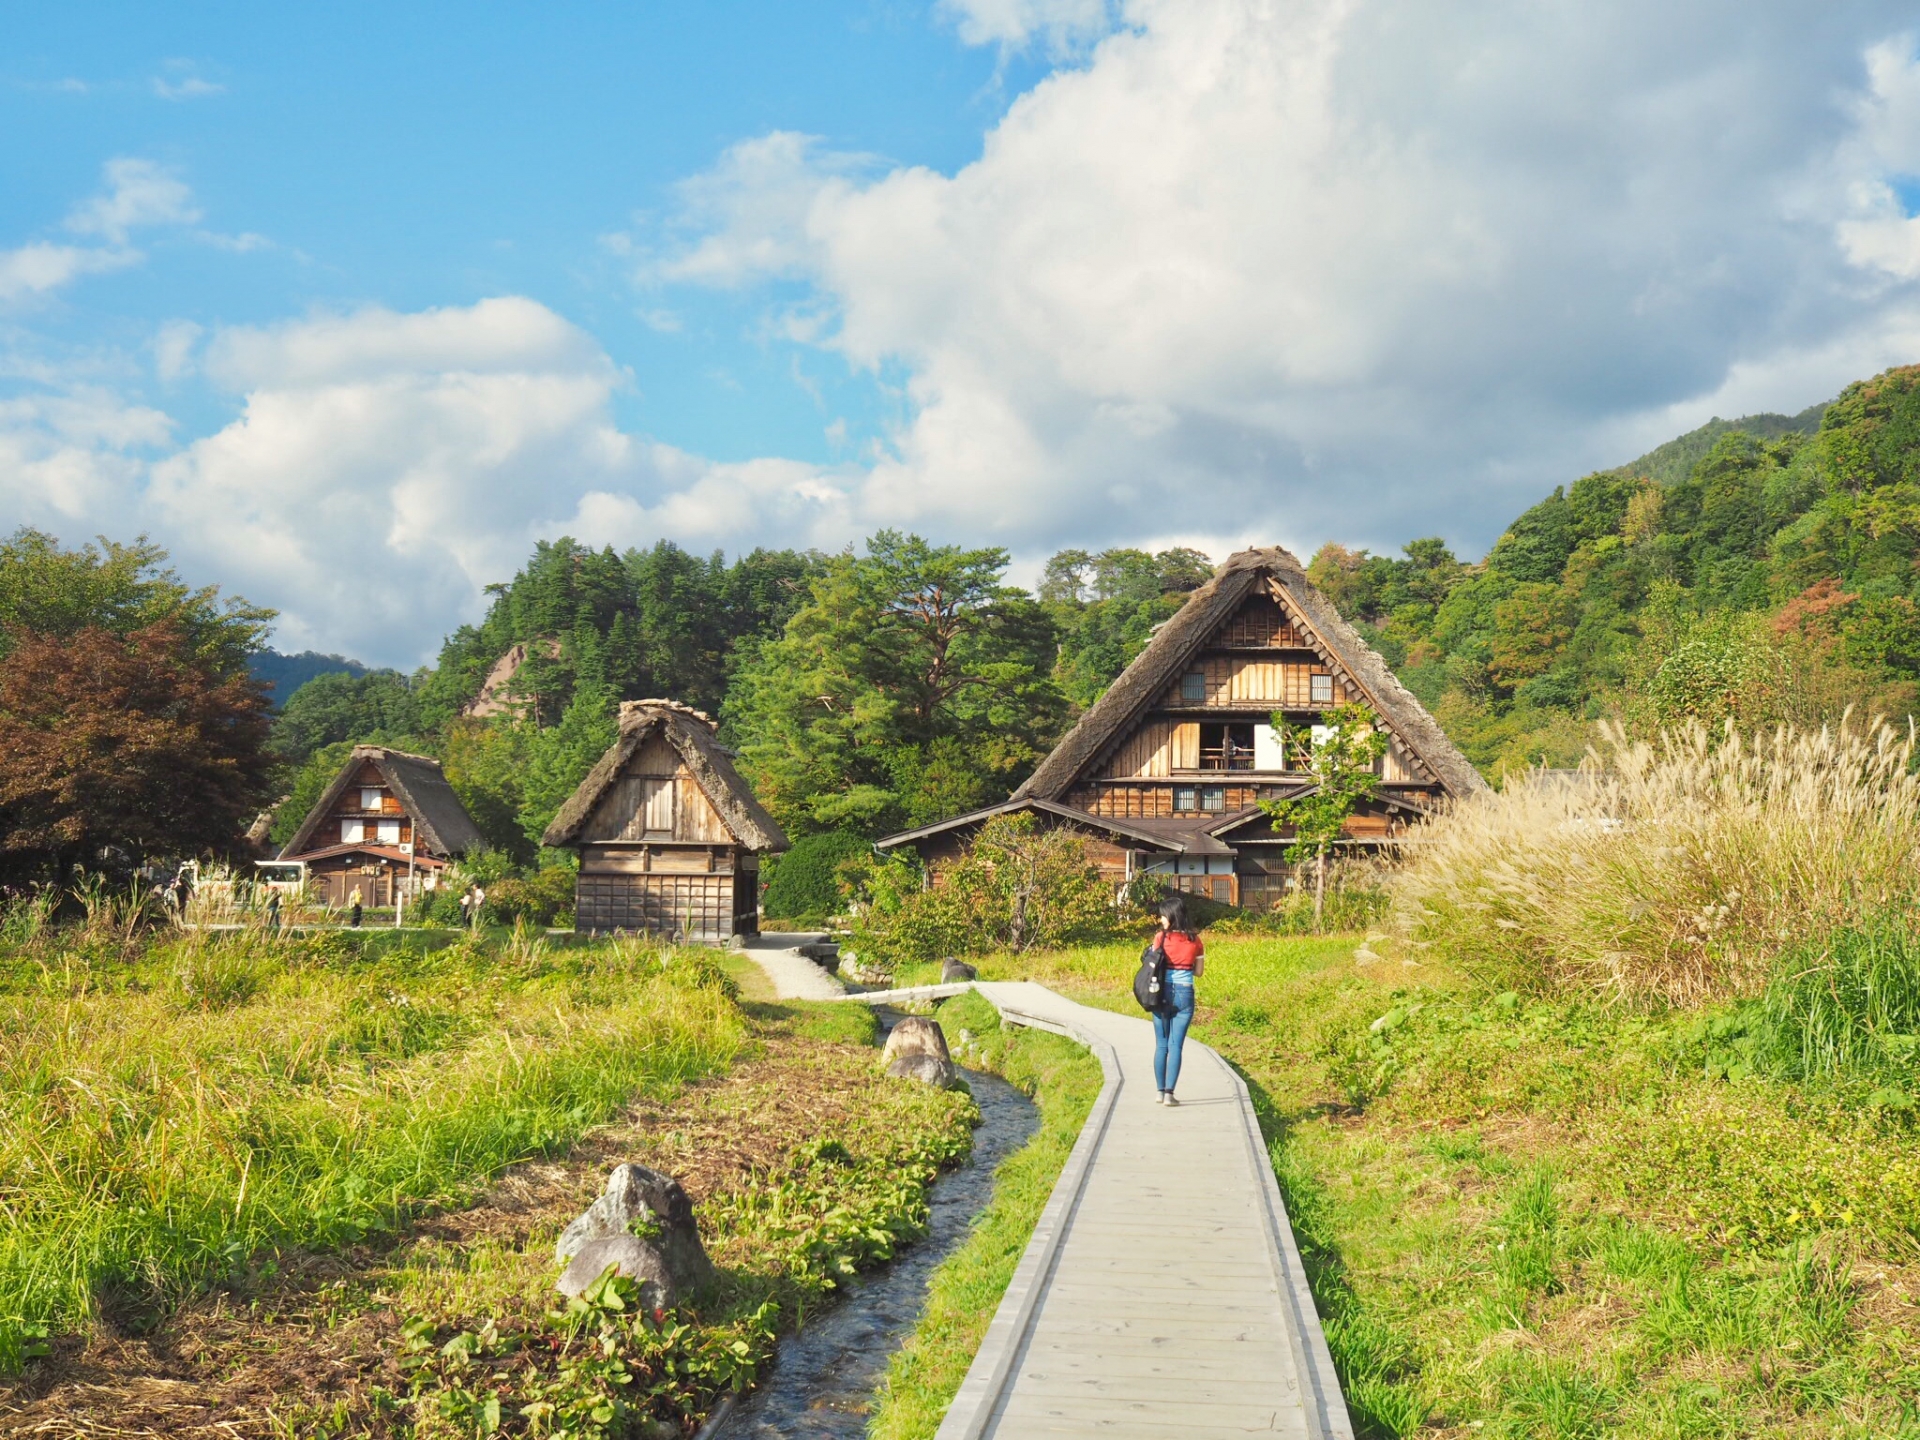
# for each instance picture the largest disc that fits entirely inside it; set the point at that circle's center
(621, 813)
(1271, 684)
(698, 908)
(348, 807)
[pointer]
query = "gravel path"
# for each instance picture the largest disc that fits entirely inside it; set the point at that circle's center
(794, 976)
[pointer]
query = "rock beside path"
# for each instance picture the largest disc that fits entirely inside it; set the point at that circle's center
(952, 970)
(636, 1200)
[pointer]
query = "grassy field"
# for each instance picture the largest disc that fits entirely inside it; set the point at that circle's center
(1562, 1218)
(254, 1185)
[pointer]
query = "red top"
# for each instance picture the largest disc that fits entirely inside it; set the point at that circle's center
(1182, 950)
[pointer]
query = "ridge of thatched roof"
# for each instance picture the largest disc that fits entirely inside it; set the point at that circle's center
(441, 823)
(691, 735)
(1176, 642)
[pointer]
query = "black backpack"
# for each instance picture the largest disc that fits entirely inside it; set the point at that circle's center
(1150, 980)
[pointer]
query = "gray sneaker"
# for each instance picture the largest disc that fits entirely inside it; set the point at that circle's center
(1168, 1099)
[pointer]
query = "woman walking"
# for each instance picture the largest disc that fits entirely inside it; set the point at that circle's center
(1186, 958)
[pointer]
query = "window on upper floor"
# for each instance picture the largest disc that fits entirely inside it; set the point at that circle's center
(369, 797)
(352, 832)
(1193, 687)
(1226, 747)
(1320, 689)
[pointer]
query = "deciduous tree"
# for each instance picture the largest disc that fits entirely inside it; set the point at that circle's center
(137, 743)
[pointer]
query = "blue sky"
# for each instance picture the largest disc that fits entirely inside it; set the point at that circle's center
(428, 155)
(348, 305)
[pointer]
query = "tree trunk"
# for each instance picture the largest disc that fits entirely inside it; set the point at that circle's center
(1319, 890)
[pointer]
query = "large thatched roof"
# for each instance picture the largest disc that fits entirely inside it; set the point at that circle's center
(442, 826)
(691, 735)
(1166, 657)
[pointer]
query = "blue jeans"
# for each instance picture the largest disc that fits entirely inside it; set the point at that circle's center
(1170, 1029)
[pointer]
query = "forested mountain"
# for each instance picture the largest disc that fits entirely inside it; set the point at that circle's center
(287, 673)
(1760, 569)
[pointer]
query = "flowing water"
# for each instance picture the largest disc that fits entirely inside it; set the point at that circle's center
(823, 1379)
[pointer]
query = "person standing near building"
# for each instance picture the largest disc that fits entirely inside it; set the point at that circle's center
(1179, 939)
(353, 908)
(479, 899)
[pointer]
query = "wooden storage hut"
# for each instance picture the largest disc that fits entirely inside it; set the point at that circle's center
(670, 837)
(388, 818)
(1165, 771)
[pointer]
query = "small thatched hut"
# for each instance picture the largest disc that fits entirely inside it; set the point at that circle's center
(670, 836)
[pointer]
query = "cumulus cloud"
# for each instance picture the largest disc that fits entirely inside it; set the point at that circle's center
(1345, 266)
(385, 467)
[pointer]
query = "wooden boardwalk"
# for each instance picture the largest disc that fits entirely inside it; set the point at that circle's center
(1161, 1293)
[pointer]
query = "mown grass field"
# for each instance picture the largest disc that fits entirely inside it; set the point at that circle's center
(1560, 1218)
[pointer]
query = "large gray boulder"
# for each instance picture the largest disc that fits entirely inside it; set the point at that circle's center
(650, 1209)
(935, 1070)
(628, 1255)
(952, 970)
(915, 1035)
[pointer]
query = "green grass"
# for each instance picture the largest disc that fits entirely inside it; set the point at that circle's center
(170, 1109)
(1542, 1218)
(966, 1289)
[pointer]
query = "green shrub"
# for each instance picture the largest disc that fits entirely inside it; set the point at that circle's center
(541, 900)
(804, 883)
(1019, 887)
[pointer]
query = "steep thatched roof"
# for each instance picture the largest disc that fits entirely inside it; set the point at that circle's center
(441, 824)
(690, 733)
(1276, 572)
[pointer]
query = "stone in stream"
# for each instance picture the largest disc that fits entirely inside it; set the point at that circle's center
(915, 1035)
(917, 1050)
(674, 1260)
(952, 970)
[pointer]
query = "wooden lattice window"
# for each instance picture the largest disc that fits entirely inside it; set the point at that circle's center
(656, 806)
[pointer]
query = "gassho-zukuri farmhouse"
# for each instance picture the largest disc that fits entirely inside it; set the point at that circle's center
(1164, 772)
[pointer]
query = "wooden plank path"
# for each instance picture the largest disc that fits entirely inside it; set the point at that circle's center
(1162, 1293)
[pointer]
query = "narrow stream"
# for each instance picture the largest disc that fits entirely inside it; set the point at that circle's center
(823, 1378)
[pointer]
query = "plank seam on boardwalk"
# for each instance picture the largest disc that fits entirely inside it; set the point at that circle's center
(987, 1394)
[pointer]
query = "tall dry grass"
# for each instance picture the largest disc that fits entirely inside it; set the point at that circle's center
(1674, 871)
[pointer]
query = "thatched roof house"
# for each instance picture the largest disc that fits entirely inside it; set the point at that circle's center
(387, 815)
(1165, 771)
(669, 834)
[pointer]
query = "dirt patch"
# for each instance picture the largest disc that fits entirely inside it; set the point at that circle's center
(321, 1330)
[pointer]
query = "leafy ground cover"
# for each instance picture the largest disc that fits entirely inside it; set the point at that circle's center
(1063, 1080)
(425, 1308)
(1556, 1218)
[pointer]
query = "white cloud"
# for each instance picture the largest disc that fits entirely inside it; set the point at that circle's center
(39, 268)
(1062, 24)
(1342, 267)
(75, 460)
(138, 193)
(182, 81)
(173, 349)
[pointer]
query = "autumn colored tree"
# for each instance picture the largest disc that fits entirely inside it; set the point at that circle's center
(140, 743)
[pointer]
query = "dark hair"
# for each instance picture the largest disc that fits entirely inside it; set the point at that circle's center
(1174, 914)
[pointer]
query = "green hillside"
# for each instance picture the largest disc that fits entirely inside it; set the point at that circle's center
(1759, 570)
